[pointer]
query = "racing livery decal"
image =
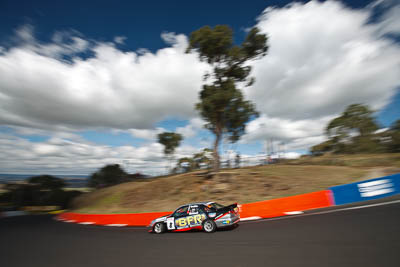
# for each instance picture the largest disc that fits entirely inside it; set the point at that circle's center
(189, 221)
(206, 216)
(170, 223)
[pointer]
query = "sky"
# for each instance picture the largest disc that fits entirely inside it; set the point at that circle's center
(84, 84)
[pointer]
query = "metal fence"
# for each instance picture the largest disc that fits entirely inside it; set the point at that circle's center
(227, 163)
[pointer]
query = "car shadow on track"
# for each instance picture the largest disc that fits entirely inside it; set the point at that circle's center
(224, 229)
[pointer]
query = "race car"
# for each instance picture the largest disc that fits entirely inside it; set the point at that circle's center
(207, 216)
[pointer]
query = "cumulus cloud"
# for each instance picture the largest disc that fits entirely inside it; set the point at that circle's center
(114, 89)
(120, 39)
(387, 16)
(60, 155)
(296, 134)
(64, 43)
(26, 131)
(148, 134)
(390, 23)
(193, 127)
(323, 56)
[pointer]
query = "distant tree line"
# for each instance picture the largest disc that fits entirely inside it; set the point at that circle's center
(202, 160)
(356, 131)
(110, 175)
(199, 160)
(42, 190)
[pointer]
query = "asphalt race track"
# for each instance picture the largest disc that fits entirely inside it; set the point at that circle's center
(359, 237)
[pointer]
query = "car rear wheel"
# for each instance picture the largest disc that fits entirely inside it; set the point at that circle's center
(209, 226)
(159, 228)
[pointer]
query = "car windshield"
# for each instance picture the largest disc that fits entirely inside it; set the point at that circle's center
(180, 211)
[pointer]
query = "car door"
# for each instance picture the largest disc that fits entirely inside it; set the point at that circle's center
(180, 218)
(194, 218)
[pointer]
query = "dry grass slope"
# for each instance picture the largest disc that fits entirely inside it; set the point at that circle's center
(238, 185)
(356, 160)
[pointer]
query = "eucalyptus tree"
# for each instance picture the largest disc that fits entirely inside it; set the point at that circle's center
(222, 104)
(170, 141)
(353, 131)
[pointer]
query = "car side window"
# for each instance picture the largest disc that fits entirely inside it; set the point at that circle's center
(193, 210)
(205, 209)
(212, 207)
(181, 211)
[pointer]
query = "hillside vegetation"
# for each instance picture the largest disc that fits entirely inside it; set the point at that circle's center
(351, 160)
(237, 185)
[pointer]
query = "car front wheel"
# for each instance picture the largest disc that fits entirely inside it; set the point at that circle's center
(159, 228)
(209, 226)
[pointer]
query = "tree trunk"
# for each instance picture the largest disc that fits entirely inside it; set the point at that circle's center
(170, 159)
(215, 151)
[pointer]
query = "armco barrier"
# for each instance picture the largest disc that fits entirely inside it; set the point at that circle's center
(282, 206)
(366, 190)
(262, 209)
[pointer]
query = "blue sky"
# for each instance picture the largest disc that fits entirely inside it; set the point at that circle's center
(140, 21)
(84, 84)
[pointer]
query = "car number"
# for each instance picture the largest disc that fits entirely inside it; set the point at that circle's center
(170, 223)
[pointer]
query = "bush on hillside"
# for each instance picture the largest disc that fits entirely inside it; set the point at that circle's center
(107, 176)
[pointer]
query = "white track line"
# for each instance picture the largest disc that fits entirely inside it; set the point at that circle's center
(329, 211)
(250, 218)
(294, 212)
(360, 207)
(116, 224)
(86, 223)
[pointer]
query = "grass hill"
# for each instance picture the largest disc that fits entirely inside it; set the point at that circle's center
(352, 160)
(242, 185)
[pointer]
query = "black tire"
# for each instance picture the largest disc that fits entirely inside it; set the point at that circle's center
(159, 228)
(209, 226)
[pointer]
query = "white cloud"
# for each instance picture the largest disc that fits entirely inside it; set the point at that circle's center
(26, 131)
(322, 57)
(58, 155)
(113, 89)
(120, 39)
(295, 134)
(285, 129)
(148, 134)
(142, 51)
(169, 38)
(292, 155)
(192, 129)
(64, 43)
(390, 23)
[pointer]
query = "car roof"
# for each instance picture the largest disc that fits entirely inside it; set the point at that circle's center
(197, 203)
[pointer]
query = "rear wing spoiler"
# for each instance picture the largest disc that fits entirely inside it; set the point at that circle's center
(228, 208)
